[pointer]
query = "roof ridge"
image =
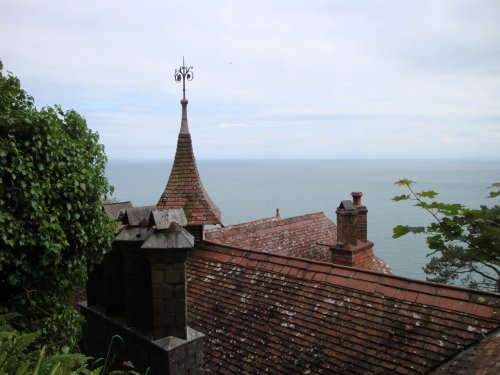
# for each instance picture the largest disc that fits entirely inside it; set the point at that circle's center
(266, 220)
(474, 302)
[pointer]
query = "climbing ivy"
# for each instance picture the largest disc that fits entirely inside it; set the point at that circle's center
(52, 228)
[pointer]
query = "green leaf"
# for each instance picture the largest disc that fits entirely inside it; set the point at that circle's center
(52, 182)
(400, 230)
(494, 194)
(427, 194)
(464, 242)
(404, 182)
(402, 197)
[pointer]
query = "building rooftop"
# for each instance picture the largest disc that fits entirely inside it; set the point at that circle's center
(307, 236)
(299, 295)
(264, 312)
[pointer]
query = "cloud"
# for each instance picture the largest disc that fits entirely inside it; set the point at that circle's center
(229, 126)
(397, 78)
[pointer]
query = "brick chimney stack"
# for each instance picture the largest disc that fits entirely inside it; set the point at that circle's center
(362, 219)
(352, 248)
(346, 223)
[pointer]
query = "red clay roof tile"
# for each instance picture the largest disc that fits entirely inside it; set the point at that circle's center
(290, 316)
(185, 190)
(307, 236)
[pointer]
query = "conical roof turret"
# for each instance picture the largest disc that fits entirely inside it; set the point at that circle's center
(184, 188)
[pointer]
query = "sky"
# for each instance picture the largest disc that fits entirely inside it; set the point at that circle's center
(272, 79)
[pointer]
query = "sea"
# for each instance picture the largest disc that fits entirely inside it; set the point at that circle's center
(246, 190)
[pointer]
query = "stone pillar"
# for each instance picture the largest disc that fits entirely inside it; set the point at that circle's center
(168, 286)
(151, 254)
(166, 251)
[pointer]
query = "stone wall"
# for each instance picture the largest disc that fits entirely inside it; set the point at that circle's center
(169, 355)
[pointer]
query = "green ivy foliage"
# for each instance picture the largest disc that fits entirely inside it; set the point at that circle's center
(464, 242)
(52, 228)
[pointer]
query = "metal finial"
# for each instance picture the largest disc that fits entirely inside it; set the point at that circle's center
(182, 74)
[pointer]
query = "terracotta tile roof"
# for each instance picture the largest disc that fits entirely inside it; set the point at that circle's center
(264, 312)
(480, 359)
(307, 236)
(184, 188)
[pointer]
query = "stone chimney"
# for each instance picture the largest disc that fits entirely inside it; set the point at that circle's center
(352, 248)
(166, 251)
(148, 271)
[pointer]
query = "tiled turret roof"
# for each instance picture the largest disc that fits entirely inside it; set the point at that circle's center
(184, 188)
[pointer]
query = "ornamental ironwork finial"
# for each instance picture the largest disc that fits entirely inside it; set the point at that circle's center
(182, 74)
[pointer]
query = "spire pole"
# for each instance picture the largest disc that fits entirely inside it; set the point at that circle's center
(182, 74)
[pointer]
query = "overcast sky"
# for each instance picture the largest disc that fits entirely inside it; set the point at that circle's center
(272, 79)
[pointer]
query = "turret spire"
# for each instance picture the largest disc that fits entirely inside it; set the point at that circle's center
(182, 74)
(184, 188)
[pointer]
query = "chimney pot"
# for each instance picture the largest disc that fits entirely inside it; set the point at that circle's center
(356, 198)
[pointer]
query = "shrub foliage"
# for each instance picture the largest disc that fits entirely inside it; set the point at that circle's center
(465, 242)
(52, 228)
(18, 356)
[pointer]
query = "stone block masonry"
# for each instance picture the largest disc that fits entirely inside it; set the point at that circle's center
(142, 315)
(167, 356)
(168, 287)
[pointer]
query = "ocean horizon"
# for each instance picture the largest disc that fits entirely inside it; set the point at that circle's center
(252, 189)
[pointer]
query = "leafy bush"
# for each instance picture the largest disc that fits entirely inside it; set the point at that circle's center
(465, 242)
(52, 227)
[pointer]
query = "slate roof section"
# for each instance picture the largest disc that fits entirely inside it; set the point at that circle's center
(137, 216)
(184, 188)
(307, 236)
(263, 312)
(116, 210)
(162, 219)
